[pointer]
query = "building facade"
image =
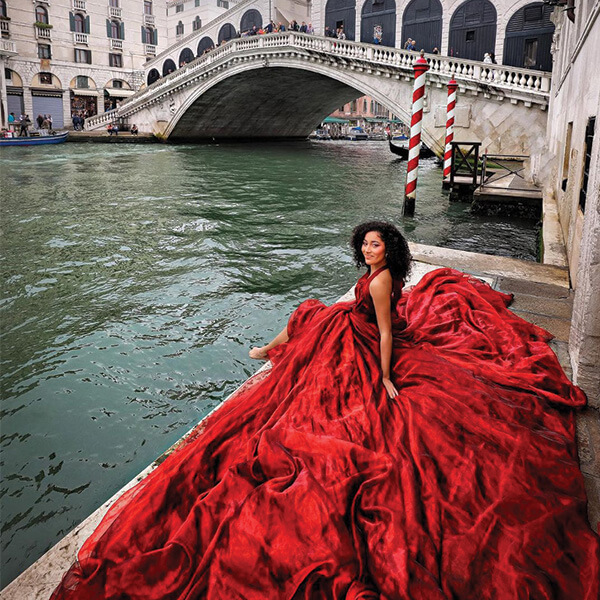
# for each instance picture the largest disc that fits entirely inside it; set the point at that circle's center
(570, 168)
(79, 56)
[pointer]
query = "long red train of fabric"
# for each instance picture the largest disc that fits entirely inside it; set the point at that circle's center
(310, 483)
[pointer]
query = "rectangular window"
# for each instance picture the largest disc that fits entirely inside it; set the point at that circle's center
(82, 82)
(115, 60)
(197, 3)
(46, 78)
(567, 157)
(117, 83)
(83, 56)
(44, 51)
(589, 140)
(223, 3)
(530, 58)
(353, 106)
(179, 8)
(114, 3)
(147, 7)
(470, 35)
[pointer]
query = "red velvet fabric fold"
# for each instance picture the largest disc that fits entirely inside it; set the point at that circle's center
(310, 483)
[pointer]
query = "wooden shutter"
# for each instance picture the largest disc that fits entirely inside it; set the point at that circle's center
(122, 25)
(108, 28)
(72, 21)
(86, 24)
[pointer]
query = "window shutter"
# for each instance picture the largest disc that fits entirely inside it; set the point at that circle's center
(122, 30)
(72, 21)
(86, 25)
(108, 28)
(143, 35)
(155, 36)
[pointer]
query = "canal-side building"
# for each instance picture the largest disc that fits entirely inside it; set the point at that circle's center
(572, 177)
(77, 55)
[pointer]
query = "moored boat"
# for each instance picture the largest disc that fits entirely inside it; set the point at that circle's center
(56, 138)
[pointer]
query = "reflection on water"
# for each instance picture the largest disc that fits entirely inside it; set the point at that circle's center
(136, 277)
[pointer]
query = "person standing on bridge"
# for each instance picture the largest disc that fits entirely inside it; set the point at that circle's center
(408, 443)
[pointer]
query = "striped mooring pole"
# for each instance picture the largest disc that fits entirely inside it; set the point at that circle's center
(414, 147)
(452, 85)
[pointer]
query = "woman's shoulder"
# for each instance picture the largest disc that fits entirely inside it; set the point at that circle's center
(382, 282)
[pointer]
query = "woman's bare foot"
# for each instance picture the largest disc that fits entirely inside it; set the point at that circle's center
(258, 353)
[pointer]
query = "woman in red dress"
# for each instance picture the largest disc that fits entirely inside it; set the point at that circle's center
(416, 445)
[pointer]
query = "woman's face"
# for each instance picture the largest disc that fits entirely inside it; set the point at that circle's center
(373, 249)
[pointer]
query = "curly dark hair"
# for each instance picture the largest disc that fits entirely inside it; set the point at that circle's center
(397, 253)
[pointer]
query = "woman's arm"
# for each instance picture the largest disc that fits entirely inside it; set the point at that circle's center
(381, 292)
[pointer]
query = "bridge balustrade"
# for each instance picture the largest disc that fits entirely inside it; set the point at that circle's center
(502, 79)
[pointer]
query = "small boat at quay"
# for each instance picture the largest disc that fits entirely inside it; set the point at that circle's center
(357, 134)
(57, 138)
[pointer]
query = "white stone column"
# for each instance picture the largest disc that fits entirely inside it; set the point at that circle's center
(3, 92)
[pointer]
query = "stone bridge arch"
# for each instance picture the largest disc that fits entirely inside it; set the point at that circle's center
(203, 114)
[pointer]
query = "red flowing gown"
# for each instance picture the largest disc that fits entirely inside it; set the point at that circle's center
(310, 483)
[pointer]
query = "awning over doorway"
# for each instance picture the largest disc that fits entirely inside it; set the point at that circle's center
(84, 92)
(335, 120)
(119, 92)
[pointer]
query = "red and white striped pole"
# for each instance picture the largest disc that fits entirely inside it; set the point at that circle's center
(452, 85)
(414, 147)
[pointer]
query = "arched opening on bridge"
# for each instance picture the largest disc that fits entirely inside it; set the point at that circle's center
(153, 75)
(422, 22)
(186, 56)
(168, 67)
(251, 18)
(378, 22)
(227, 32)
(341, 13)
(473, 30)
(205, 44)
(529, 38)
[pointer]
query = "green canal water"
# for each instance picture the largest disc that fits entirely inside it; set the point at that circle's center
(135, 277)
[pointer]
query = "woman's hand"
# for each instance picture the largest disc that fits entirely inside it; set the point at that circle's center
(389, 387)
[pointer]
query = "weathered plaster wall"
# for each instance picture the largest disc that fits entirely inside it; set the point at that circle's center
(575, 97)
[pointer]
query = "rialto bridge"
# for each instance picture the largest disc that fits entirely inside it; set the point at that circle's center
(282, 85)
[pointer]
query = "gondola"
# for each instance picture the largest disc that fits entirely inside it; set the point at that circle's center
(402, 151)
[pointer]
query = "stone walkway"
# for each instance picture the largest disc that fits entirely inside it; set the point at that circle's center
(542, 296)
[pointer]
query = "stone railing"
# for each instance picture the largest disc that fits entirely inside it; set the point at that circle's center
(505, 80)
(7, 48)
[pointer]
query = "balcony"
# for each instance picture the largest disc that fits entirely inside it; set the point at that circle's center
(114, 12)
(116, 44)
(150, 49)
(42, 33)
(79, 5)
(5, 28)
(80, 38)
(7, 48)
(149, 20)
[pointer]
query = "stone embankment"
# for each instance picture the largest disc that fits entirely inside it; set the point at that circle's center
(542, 296)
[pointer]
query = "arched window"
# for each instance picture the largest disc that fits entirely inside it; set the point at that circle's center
(179, 28)
(115, 30)
(3, 8)
(41, 15)
(197, 24)
(153, 76)
(148, 35)
(79, 23)
(147, 7)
